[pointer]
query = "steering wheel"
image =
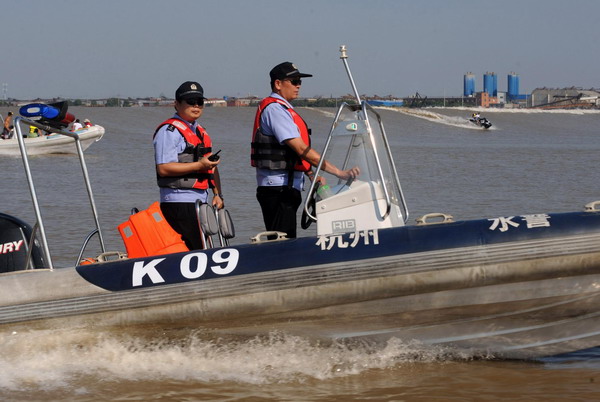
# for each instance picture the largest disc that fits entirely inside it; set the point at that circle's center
(306, 220)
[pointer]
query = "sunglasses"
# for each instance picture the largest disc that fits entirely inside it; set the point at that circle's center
(295, 81)
(194, 102)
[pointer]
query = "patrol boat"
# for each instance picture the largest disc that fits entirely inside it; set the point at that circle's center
(508, 287)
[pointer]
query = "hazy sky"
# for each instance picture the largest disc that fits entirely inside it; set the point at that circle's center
(140, 48)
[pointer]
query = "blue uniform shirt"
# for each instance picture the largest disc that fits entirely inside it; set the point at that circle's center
(277, 121)
(167, 146)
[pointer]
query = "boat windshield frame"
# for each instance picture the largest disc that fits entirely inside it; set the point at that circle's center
(338, 129)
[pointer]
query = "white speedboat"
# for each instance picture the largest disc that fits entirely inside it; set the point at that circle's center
(53, 143)
(516, 287)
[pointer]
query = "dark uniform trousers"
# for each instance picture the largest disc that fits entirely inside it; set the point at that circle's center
(279, 205)
(183, 219)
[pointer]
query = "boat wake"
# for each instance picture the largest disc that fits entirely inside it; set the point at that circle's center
(58, 360)
(488, 111)
(439, 118)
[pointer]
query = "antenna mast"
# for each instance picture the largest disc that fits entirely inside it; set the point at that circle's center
(344, 56)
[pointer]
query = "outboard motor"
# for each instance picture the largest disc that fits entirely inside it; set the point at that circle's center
(14, 246)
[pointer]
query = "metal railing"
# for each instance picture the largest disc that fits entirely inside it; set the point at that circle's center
(18, 120)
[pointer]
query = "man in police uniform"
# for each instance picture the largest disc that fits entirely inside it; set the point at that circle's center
(184, 172)
(281, 152)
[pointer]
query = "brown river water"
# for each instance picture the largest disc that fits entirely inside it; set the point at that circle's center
(529, 162)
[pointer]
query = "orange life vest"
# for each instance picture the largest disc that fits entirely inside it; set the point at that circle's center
(267, 152)
(198, 144)
(148, 233)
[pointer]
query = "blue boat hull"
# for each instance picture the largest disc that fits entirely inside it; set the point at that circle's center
(348, 248)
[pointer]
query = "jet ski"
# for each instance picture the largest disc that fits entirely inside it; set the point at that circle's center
(480, 122)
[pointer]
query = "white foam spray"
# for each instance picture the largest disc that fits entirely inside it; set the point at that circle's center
(59, 359)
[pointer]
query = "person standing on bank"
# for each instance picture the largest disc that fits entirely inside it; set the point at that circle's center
(281, 152)
(184, 172)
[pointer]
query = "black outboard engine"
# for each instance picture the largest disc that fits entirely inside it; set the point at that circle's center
(14, 246)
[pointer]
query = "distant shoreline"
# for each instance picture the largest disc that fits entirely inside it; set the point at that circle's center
(449, 102)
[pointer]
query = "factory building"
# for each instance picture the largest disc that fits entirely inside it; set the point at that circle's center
(490, 96)
(561, 98)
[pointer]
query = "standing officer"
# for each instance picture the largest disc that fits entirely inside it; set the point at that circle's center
(281, 152)
(184, 172)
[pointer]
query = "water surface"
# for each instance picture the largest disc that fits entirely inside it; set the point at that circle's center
(527, 163)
